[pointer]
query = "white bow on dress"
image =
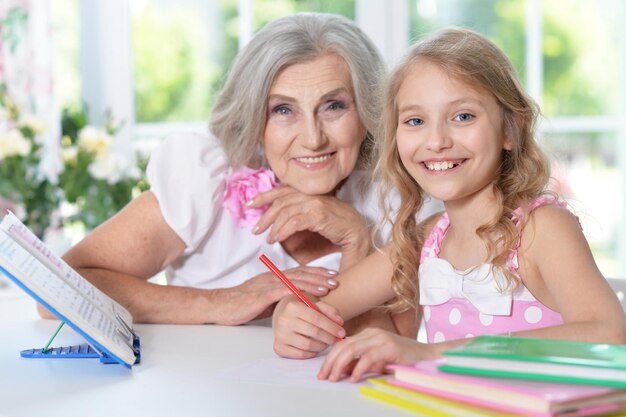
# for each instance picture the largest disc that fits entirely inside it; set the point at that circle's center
(439, 282)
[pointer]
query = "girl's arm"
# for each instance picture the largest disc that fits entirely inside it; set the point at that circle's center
(365, 285)
(558, 268)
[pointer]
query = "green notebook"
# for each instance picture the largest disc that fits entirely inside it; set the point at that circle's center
(540, 359)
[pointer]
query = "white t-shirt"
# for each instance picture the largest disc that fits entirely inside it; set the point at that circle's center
(187, 174)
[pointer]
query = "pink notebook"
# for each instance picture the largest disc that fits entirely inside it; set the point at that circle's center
(536, 398)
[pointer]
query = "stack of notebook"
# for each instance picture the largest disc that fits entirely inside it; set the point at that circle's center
(504, 376)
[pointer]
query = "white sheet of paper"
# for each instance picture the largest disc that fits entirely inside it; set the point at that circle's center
(281, 371)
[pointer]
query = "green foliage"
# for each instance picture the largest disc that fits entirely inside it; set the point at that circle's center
(100, 200)
(73, 120)
(20, 177)
(38, 196)
(96, 199)
(230, 41)
(95, 180)
(14, 21)
(162, 66)
(268, 10)
(174, 69)
(502, 21)
(568, 90)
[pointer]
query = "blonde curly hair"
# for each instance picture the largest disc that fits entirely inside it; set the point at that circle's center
(524, 170)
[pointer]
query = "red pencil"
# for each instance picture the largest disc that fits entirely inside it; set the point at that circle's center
(288, 283)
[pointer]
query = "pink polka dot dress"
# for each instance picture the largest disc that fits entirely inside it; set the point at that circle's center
(459, 304)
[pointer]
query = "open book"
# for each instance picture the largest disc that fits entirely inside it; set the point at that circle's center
(105, 324)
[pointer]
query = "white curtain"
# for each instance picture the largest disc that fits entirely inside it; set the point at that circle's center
(26, 68)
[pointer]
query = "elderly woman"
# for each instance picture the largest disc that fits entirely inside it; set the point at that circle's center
(296, 117)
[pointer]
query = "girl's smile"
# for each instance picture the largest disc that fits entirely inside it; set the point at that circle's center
(443, 165)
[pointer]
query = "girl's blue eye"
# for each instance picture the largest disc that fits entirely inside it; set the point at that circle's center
(464, 117)
(415, 122)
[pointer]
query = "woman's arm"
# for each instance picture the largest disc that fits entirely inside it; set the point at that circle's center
(124, 252)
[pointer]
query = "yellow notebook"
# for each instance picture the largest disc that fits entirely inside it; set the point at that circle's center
(424, 404)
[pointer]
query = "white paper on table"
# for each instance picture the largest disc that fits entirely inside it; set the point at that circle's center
(282, 371)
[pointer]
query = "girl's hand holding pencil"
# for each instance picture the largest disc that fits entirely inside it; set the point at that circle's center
(309, 332)
(318, 325)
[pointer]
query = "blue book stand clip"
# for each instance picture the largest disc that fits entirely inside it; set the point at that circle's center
(82, 351)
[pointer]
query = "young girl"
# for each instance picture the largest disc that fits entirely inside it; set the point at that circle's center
(506, 257)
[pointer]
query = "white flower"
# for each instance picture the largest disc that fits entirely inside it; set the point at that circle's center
(35, 124)
(13, 143)
(94, 140)
(112, 167)
(69, 155)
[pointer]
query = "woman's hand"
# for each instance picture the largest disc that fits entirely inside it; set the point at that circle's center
(301, 332)
(256, 297)
(370, 352)
(44, 313)
(291, 211)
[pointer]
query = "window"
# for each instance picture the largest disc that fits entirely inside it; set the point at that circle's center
(66, 28)
(178, 58)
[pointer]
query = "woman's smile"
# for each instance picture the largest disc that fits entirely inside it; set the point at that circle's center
(315, 162)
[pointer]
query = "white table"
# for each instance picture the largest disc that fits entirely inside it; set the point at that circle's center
(185, 371)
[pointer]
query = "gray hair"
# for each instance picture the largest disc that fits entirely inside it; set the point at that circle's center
(240, 110)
